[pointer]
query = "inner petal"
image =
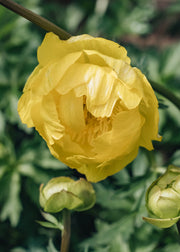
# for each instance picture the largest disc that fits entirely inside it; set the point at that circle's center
(123, 138)
(71, 113)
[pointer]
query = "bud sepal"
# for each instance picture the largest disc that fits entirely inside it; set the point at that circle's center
(163, 199)
(65, 193)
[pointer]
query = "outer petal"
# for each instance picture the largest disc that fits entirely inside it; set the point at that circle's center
(33, 75)
(62, 200)
(97, 58)
(65, 148)
(56, 184)
(45, 79)
(46, 121)
(24, 108)
(134, 80)
(149, 109)
(122, 139)
(85, 192)
(95, 172)
(172, 202)
(53, 48)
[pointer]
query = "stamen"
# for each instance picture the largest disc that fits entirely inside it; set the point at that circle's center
(95, 126)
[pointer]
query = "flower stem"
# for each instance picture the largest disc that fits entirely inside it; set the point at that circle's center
(36, 19)
(66, 233)
(166, 93)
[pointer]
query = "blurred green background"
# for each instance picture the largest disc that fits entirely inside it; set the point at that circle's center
(149, 29)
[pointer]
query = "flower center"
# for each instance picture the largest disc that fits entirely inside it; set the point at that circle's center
(94, 127)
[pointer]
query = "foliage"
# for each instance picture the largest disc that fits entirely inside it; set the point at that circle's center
(115, 223)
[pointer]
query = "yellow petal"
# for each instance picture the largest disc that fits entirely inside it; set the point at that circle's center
(149, 109)
(53, 48)
(24, 108)
(46, 121)
(45, 79)
(31, 78)
(96, 83)
(100, 85)
(96, 58)
(92, 57)
(122, 139)
(114, 149)
(71, 113)
(94, 171)
(105, 110)
(111, 167)
(65, 148)
(142, 92)
(101, 92)
(128, 96)
(76, 75)
(79, 74)
(127, 74)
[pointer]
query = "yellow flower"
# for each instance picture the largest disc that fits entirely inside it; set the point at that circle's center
(92, 108)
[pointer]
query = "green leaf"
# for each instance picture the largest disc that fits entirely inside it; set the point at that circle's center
(50, 218)
(175, 160)
(2, 123)
(47, 224)
(7, 28)
(107, 198)
(12, 207)
(119, 244)
(107, 232)
(140, 164)
(51, 247)
(47, 161)
(51, 222)
(171, 61)
(168, 248)
(18, 249)
(27, 169)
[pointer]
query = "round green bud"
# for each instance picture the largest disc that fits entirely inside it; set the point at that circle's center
(163, 199)
(64, 192)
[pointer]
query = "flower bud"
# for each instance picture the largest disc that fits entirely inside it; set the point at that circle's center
(64, 192)
(163, 198)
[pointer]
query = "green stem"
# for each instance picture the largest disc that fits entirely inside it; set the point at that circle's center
(166, 93)
(66, 233)
(36, 19)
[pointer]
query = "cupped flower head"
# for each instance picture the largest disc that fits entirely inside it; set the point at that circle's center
(64, 192)
(92, 108)
(163, 199)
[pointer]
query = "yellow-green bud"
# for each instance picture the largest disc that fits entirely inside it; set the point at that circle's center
(64, 192)
(163, 199)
